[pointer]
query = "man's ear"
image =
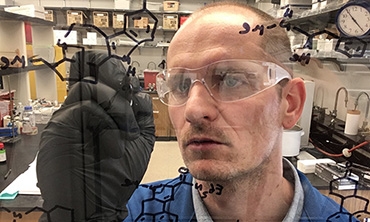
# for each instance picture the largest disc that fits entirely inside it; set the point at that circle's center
(295, 95)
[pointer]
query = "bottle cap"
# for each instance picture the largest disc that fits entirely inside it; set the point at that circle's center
(27, 108)
(1, 145)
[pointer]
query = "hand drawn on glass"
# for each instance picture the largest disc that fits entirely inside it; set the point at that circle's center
(157, 191)
(109, 47)
(342, 215)
(130, 33)
(163, 194)
(6, 62)
(217, 189)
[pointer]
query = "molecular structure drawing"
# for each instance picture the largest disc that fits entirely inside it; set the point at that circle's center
(109, 45)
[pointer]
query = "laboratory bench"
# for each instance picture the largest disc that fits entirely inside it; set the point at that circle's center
(20, 154)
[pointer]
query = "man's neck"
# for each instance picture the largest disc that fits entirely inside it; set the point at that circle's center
(266, 197)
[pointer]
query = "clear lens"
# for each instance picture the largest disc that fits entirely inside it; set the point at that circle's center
(226, 80)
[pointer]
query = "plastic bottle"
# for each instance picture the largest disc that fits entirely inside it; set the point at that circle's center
(20, 109)
(29, 121)
(2, 153)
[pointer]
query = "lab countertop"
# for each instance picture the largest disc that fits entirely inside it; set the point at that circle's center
(19, 155)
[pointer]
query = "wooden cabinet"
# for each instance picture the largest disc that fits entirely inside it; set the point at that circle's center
(163, 127)
(352, 201)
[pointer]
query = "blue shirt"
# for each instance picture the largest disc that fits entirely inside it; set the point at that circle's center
(172, 200)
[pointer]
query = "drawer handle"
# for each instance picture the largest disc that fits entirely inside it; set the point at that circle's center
(155, 98)
(155, 112)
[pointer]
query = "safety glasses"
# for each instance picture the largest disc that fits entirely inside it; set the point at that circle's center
(225, 80)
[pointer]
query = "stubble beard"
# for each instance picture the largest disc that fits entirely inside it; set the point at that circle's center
(220, 171)
(211, 169)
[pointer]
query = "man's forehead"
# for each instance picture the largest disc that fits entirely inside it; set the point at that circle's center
(231, 15)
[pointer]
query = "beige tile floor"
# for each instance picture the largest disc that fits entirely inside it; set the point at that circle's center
(164, 163)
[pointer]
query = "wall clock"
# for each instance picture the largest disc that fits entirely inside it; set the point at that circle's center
(353, 19)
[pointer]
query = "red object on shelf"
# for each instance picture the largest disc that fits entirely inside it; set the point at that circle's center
(28, 30)
(150, 78)
(183, 19)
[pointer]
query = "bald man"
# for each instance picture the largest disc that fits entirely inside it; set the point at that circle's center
(229, 98)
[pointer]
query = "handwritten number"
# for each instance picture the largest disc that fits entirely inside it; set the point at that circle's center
(204, 194)
(6, 61)
(21, 60)
(212, 189)
(198, 186)
(246, 27)
(219, 189)
(261, 28)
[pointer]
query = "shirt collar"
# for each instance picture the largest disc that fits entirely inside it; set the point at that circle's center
(294, 212)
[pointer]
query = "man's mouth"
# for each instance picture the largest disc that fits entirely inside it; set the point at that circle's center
(204, 141)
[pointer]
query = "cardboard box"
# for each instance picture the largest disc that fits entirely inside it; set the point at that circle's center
(171, 6)
(74, 17)
(101, 19)
(49, 15)
(27, 10)
(170, 21)
(118, 20)
(141, 23)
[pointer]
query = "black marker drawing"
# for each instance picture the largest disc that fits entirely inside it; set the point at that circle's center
(341, 214)
(347, 50)
(213, 189)
(157, 191)
(7, 62)
(303, 59)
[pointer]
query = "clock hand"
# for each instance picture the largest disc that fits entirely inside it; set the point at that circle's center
(354, 19)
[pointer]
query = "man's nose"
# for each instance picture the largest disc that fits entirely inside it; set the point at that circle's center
(200, 105)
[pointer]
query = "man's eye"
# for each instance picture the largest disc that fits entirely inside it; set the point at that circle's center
(233, 79)
(181, 86)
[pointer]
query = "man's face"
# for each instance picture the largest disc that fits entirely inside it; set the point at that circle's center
(221, 141)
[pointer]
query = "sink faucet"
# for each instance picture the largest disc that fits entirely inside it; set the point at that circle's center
(364, 124)
(333, 114)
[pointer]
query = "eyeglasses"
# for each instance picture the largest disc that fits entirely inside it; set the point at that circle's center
(225, 80)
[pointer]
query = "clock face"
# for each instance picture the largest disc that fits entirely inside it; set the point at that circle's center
(354, 20)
